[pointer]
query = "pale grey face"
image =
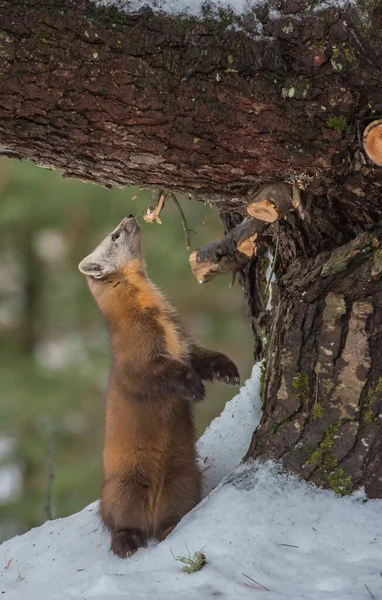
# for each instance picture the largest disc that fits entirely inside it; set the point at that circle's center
(115, 252)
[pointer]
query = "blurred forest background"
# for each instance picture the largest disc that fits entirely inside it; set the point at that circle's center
(54, 353)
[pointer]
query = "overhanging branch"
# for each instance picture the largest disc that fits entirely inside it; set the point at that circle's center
(184, 103)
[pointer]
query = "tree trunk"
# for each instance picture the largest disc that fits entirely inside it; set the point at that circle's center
(221, 107)
(322, 387)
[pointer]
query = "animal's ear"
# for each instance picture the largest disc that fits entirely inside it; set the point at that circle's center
(94, 266)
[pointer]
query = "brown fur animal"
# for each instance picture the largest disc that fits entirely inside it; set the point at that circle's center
(151, 478)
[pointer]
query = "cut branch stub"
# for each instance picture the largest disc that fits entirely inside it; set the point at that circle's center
(248, 246)
(232, 252)
(372, 141)
(152, 213)
(270, 203)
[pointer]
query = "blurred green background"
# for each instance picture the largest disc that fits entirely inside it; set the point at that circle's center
(54, 351)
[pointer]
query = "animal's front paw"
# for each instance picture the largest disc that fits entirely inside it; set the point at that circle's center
(195, 387)
(124, 543)
(224, 370)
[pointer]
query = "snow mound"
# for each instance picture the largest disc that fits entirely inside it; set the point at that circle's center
(265, 535)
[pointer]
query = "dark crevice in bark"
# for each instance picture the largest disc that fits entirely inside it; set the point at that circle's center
(344, 332)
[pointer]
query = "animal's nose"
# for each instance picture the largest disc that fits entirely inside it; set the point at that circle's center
(129, 224)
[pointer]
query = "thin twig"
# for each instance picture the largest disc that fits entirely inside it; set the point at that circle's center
(288, 545)
(140, 213)
(273, 266)
(186, 229)
(142, 191)
(255, 582)
(371, 593)
(49, 489)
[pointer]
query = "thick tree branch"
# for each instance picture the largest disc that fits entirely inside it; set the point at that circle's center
(272, 202)
(185, 103)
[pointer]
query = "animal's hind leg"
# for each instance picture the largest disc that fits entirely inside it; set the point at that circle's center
(181, 492)
(127, 541)
(125, 510)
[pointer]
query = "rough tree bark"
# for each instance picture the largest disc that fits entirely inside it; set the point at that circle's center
(322, 387)
(221, 107)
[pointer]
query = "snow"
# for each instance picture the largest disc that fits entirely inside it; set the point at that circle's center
(220, 449)
(182, 7)
(195, 7)
(293, 540)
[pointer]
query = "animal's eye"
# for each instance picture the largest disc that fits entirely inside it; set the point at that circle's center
(115, 236)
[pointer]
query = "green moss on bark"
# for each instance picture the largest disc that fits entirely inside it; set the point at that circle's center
(318, 411)
(371, 398)
(340, 483)
(301, 385)
(324, 459)
(337, 123)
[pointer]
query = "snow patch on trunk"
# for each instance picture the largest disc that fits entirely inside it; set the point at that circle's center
(222, 448)
(183, 7)
(217, 8)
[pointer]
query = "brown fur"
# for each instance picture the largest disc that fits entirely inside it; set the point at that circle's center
(151, 478)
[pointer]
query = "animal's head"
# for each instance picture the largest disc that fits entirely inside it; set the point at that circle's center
(115, 252)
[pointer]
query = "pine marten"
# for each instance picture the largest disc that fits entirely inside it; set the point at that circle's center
(151, 477)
